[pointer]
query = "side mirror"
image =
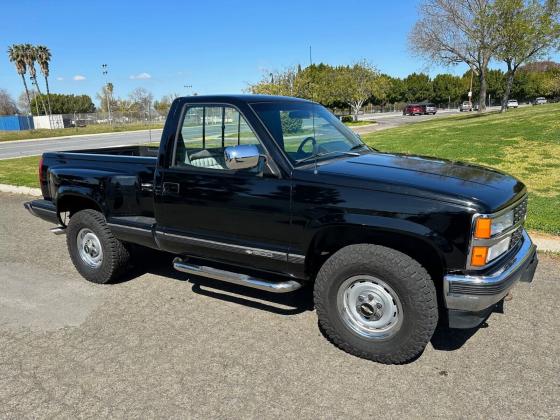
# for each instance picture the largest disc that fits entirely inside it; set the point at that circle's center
(244, 156)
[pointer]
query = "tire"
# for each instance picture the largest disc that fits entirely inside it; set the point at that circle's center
(365, 270)
(101, 258)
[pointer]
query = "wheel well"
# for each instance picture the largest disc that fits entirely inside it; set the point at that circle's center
(72, 204)
(328, 241)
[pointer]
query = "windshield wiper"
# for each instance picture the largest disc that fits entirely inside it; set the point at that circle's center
(359, 146)
(318, 155)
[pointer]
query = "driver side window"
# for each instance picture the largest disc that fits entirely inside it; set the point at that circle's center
(205, 133)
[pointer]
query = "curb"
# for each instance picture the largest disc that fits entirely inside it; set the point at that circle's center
(13, 189)
(544, 242)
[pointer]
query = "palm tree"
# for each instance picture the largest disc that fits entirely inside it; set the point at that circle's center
(43, 58)
(16, 55)
(30, 55)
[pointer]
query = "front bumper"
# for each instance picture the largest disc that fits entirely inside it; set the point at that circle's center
(479, 293)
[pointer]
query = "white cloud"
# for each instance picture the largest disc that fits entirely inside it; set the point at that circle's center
(79, 77)
(60, 78)
(141, 76)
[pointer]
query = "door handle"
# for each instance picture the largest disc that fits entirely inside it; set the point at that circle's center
(171, 187)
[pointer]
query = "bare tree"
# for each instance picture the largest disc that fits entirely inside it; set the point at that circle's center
(457, 31)
(7, 103)
(528, 30)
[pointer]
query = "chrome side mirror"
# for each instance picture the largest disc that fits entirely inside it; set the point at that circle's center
(244, 156)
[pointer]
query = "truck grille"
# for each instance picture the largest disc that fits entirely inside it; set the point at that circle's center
(519, 213)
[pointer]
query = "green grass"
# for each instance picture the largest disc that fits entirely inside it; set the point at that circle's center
(90, 129)
(358, 123)
(21, 171)
(524, 142)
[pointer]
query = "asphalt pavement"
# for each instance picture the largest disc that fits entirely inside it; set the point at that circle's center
(162, 345)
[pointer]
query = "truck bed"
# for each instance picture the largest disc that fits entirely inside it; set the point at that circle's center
(123, 174)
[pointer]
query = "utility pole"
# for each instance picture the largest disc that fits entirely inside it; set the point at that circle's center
(187, 87)
(105, 70)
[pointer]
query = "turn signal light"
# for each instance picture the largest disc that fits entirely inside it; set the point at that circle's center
(483, 228)
(479, 255)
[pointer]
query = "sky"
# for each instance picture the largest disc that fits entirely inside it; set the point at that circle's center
(215, 46)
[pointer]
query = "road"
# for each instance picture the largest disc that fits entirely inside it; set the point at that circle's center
(20, 148)
(161, 345)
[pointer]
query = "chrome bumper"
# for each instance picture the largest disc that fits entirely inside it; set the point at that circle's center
(476, 293)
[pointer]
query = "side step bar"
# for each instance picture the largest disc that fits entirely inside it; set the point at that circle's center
(236, 278)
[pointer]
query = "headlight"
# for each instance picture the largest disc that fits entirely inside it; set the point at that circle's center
(487, 227)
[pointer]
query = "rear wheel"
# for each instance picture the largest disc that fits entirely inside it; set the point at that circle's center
(377, 303)
(97, 255)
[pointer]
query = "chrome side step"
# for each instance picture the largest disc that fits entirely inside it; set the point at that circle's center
(59, 230)
(236, 278)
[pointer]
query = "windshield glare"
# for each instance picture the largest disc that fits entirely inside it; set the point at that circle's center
(303, 130)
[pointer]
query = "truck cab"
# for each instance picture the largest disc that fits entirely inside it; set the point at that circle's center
(275, 193)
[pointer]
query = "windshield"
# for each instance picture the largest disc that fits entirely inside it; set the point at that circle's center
(304, 130)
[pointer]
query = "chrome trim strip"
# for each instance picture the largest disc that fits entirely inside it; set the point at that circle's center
(236, 278)
(296, 259)
(121, 226)
(282, 256)
(486, 290)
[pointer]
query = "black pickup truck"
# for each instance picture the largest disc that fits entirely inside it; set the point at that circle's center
(275, 193)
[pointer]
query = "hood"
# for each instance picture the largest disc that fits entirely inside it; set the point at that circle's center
(472, 185)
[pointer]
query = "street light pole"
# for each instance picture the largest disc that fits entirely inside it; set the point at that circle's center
(105, 70)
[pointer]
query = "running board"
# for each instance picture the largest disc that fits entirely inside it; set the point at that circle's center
(236, 278)
(59, 230)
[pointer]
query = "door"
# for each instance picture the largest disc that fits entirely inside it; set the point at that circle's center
(206, 210)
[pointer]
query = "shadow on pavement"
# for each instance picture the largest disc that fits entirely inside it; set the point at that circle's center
(161, 264)
(299, 301)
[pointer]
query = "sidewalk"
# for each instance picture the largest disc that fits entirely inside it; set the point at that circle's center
(544, 242)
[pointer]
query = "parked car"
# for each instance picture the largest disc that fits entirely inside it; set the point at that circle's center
(466, 106)
(539, 101)
(512, 103)
(413, 109)
(429, 108)
(286, 197)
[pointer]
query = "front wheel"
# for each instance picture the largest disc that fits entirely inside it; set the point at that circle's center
(376, 303)
(97, 255)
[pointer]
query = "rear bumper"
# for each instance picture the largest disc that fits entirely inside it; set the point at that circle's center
(44, 209)
(472, 293)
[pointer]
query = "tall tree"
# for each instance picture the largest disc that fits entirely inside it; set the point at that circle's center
(457, 31)
(357, 83)
(447, 89)
(44, 58)
(418, 87)
(30, 56)
(16, 55)
(527, 30)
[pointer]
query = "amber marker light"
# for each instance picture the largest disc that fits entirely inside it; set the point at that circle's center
(478, 256)
(483, 228)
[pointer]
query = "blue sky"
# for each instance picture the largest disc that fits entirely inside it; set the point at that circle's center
(215, 46)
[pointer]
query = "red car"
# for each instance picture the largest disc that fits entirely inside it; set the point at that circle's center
(413, 109)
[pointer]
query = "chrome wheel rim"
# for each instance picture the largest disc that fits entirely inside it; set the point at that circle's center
(369, 307)
(89, 248)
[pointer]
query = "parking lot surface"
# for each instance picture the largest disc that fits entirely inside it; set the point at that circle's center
(162, 345)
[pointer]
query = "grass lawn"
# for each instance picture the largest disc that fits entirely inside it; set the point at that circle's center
(22, 171)
(524, 142)
(90, 129)
(358, 123)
